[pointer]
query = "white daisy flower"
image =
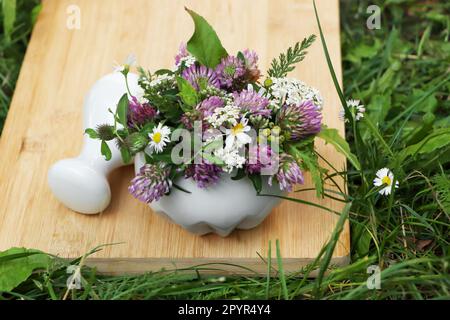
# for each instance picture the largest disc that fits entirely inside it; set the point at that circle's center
(237, 134)
(129, 62)
(385, 177)
(158, 138)
(355, 107)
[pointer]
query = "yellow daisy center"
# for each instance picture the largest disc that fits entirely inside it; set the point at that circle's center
(237, 129)
(157, 137)
(386, 180)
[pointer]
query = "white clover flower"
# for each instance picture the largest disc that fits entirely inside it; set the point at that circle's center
(293, 91)
(237, 134)
(159, 138)
(355, 107)
(129, 62)
(385, 177)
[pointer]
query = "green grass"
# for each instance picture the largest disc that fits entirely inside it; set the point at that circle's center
(401, 73)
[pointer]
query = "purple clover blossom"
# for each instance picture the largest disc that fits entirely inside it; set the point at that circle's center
(252, 102)
(207, 106)
(251, 64)
(203, 110)
(187, 121)
(182, 53)
(260, 157)
(289, 173)
(204, 174)
(139, 113)
(229, 70)
(300, 120)
(200, 77)
(151, 183)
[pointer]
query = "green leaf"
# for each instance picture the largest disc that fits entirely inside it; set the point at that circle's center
(163, 71)
(257, 182)
(91, 133)
(361, 239)
(17, 264)
(187, 92)
(35, 13)
(204, 44)
(9, 17)
(239, 175)
(332, 136)
(332, 244)
(122, 110)
(285, 63)
(106, 151)
(212, 159)
(312, 165)
(379, 107)
(376, 133)
(330, 67)
(126, 156)
(281, 275)
(438, 139)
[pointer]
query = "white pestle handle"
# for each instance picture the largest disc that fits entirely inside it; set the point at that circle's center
(81, 183)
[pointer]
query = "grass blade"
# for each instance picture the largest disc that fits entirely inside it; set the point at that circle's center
(281, 272)
(332, 244)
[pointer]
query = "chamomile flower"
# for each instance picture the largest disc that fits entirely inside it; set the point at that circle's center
(355, 107)
(159, 138)
(385, 177)
(237, 134)
(125, 67)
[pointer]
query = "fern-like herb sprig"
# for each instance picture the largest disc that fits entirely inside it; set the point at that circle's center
(285, 63)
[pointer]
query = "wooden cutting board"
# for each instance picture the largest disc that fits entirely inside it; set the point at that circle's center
(45, 120)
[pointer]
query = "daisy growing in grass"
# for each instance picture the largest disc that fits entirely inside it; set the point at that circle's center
(250, 124)
(385, 177)
(356, 109)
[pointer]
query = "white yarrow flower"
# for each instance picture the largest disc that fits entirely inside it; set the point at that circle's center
(385, 177)
(159, 138)
(231, 158)
(293, 91)
(228, 114)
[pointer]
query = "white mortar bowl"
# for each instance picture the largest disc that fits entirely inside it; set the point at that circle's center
(220, 208)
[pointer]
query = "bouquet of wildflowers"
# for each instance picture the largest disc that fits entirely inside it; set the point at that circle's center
(215, 116)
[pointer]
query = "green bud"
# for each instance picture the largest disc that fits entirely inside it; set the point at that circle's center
(105, 132)
(136, 142)
(268, 82)
(266, 132)
(276, 130)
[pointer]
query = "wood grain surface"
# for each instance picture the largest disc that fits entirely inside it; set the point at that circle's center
(45, 120)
